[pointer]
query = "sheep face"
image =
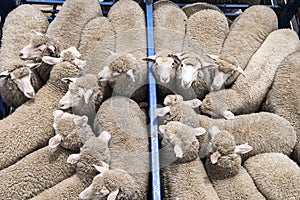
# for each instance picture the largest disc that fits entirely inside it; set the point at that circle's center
(21, 76)
(164, 67)
(37, 46)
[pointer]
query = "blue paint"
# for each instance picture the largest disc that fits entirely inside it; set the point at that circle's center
(155, 166)
(1, 108)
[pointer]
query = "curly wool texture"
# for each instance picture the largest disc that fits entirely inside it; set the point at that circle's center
(17, 32)
(283, 98)
(247, 93)
(275, 175)
(126, 123)
(69, 23)
(169, 26)
(247, 33)
(35, 173)
(30, 126)
(189, 10)
(9, 90)
(97, 32)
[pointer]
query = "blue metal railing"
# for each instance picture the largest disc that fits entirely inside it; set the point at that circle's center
(155, 166)
(2, 111)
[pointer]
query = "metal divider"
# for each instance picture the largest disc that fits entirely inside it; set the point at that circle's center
(155, 166)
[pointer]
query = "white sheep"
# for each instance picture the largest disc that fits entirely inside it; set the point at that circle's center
(191, 9)
(97, 32)
(126, 122)
(21, 134)
(69, 23)
(283, 97)
(84, 96)
(275, 175)
(265, 132)
(247, 93)
(246, 35)
(183, 173)
(17, 31)
(223, 166)
(18, 83)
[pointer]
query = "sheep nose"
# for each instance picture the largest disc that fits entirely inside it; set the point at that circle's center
(164, 78)
(21, 54)
(186, 83)
(30, 94)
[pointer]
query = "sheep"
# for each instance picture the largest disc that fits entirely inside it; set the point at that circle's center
(31, 133)
(247, 93)
(17, 32)
(223, 166)
(126, 122)
(241, 43)
(189, 10)
(34, 173)
(69, 23)
(94, 151)
(97, 32)
(84, 96)
(183, 174)
(283, 97)
(112, 184)
(128, 21)
(18, 83)
(275, 175)
(41, 45)
(265, 132)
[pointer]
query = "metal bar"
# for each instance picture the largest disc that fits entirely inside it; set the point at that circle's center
(1, 108)
(232, 6)
(155, 166)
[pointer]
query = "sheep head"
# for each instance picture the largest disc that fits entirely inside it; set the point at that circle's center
(40, 44)
(183, 138)
(21, 76)
(227, 66)
(69, 130)
(164, 66)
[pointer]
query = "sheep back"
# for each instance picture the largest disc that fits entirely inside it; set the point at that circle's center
(275, 175)
(189, 10)
(36, 172)
(70, 21)
(283, 98)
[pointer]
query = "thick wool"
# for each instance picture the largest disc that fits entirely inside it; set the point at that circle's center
(275, 175)
(35, 173)
(69, 23)
(189, 10)
(129, 148)
(247, 93)
(30, 126)
(17, 32)
(283, 98)
(247, 33)
(97, 32)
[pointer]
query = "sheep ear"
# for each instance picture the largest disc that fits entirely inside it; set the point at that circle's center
(80, 63)
(194, 103)
(33, 65)
(51, 60)
(68, 80)
(4, 74)
(100, 169)
(162, 111)
(214, 131)
(240, 70)
(87, 96)
(115, 73)
(55, 141)
(36, 32)
(178, 56)
(207, 65)
(243, 148)
(105, 165)
(150, 58)
(52, 48)
(80, 121)
(130, 73)
(105, 136)
(73, 158)
(214, 157)
(228, 115)
(199, 131)
(57, 113)
(113, 195)
(178, 151)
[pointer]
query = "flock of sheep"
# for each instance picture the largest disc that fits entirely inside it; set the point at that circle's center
(229, 113)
